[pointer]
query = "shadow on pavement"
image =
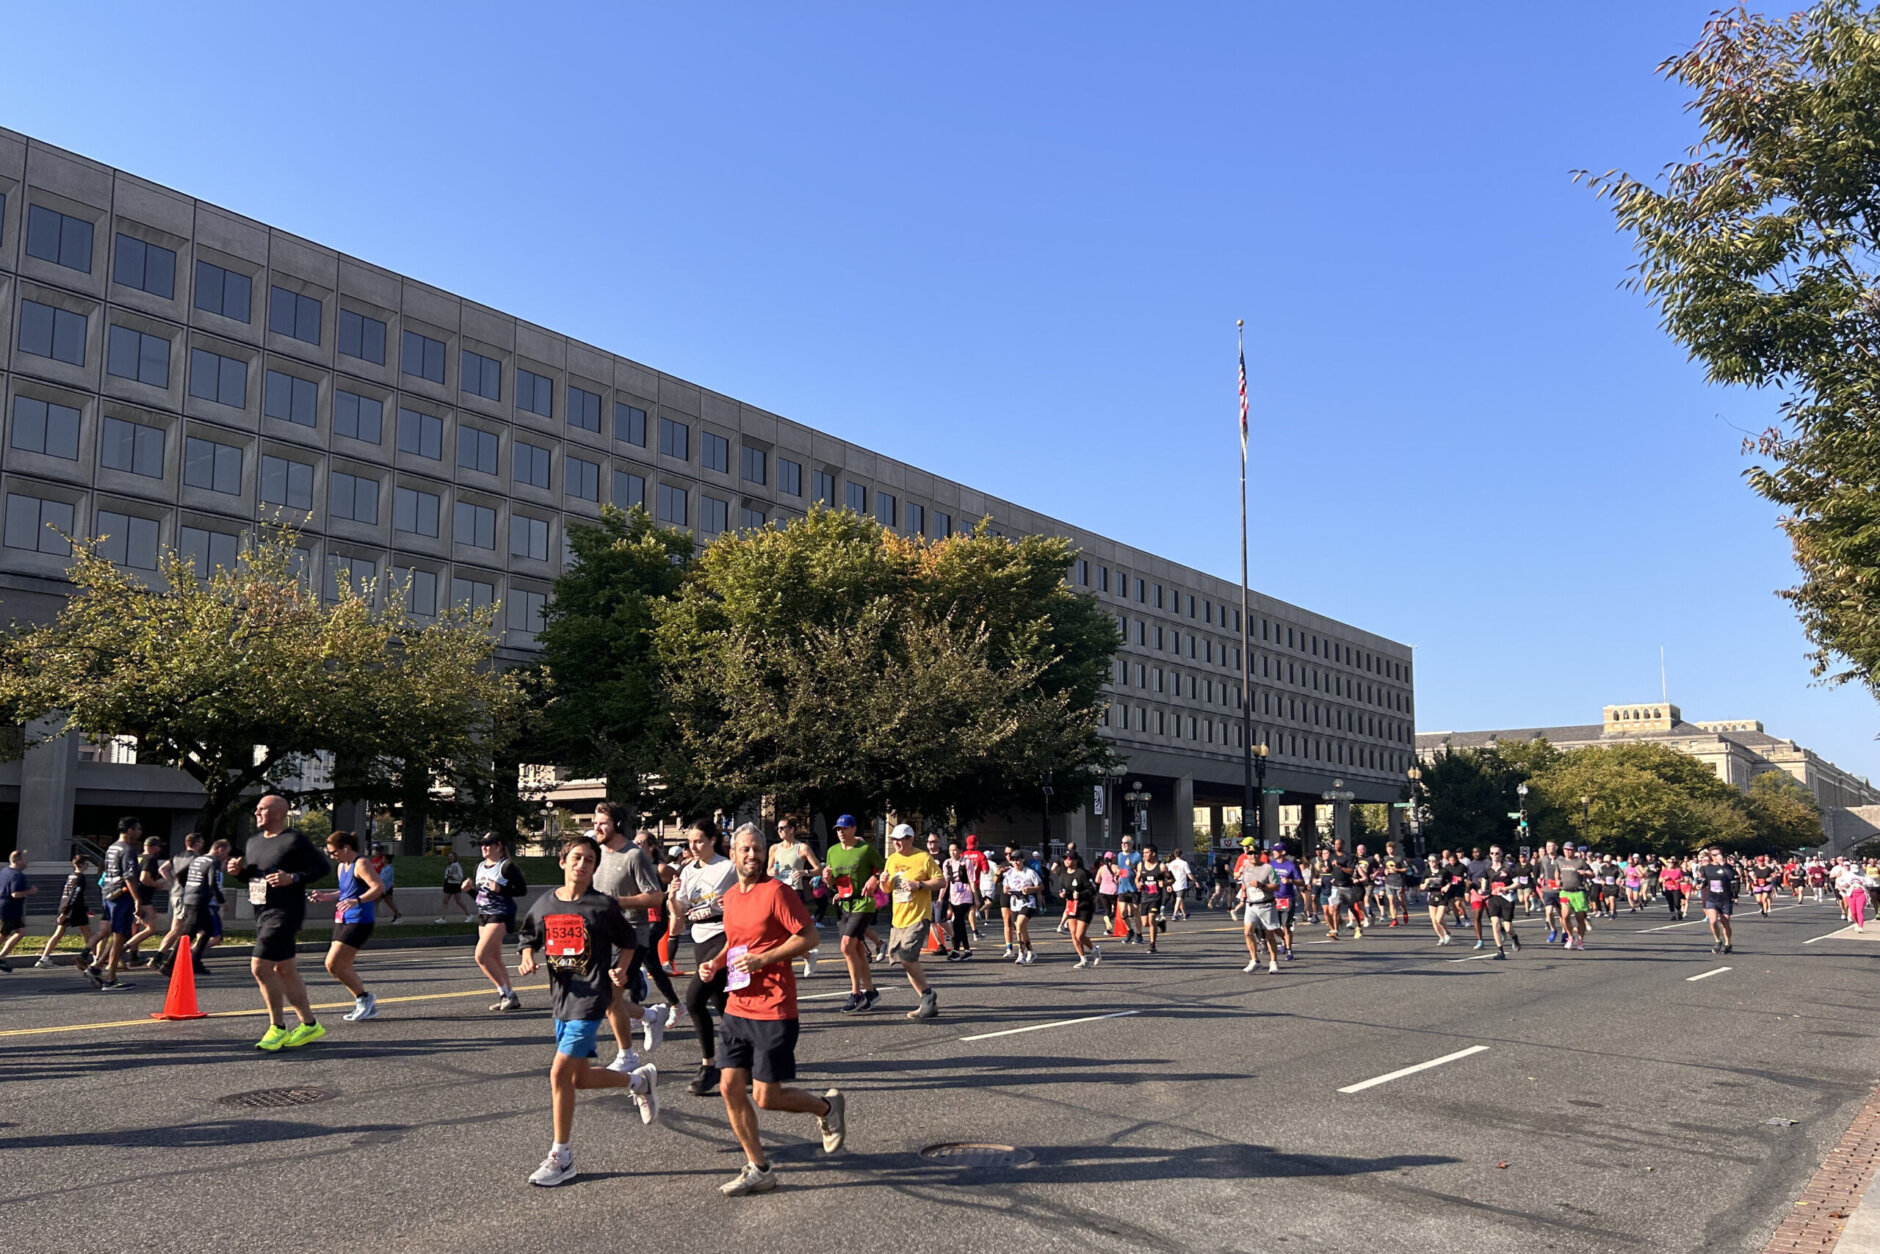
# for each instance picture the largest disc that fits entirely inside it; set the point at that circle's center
(191, 1135)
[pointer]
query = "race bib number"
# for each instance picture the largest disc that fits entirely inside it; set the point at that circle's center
(902, 893)
(1716, 886)
(845, 888)
(258, 892)
(567, 935)
(734, 978)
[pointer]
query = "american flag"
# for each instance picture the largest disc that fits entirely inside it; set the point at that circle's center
(1243, 397)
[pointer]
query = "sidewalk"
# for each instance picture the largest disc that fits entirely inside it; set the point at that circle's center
(1839, 1210)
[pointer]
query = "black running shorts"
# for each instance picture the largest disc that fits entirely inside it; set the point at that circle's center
(275, 933)
(764, 1047)
(857, 921)
(354, 934)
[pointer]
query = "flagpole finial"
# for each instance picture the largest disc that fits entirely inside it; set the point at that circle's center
(1240, 322)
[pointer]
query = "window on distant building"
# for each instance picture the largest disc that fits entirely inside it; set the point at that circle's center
(823, 488)
(146, 267)
(752, 463)
(38, 526)
(528, 537)
(223, 292)
(59, 238)
(415, 511)
(127, 540)
(884, 508)
(358, 417)
(289, 398)
(217, 467)
(361, 336)
(672, 504)
(714, 452)
(475, 526)
(531, 464)
(422, 356)
(629, 490)
(55, 333)
(856, 497)
(584, 409)
(131, 446)
(535, 393)
(482, 376)
(138, 355)
(45, 427)
(422, 434)
(293, 315)
(352, 496)
(712, 515)
(476, 449)
(789, 477)
(213, 377)
(583, 478)
(629, 424)
(287, 483)
(675, 439)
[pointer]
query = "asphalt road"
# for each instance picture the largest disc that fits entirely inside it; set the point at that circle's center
(1615, 1105)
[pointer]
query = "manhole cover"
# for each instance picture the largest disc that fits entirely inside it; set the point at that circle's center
(972, 1154)
(276, 1099)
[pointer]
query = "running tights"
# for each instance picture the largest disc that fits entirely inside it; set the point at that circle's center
(1674, 899)
(701, 996)
(646, 958)
(962, 927)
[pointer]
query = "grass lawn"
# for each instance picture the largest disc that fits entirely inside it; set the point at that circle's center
(427, 871)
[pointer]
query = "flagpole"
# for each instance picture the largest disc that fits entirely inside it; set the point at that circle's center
(1248, 815)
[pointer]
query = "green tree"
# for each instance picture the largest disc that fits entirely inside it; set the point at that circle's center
(1468, 795)
(597, 690)
(1643, 798)
(1783, 812)
(234, 677)
(1760, 251)
(833, 664)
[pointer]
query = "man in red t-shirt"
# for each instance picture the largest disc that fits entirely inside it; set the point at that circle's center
(766, 929)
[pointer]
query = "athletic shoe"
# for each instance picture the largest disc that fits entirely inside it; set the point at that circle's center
(1252, 966)
(553, 1171)
(1286, 953)
(869, 998)
(272, 1039)
(1357, 933)
(1152, 948)
(44, 964)
(753, 1179)
(1501, 955)
(304, 1034)
(645, 1092)
(929, 1006)
(366, 1007)
(1096, 954)
(625, 1061)
(440, 918)
(1080, 964)
(1516, 941)
(809, 964)
(1272, 968)
(511, 1002)
(1478, 944)
(834, 1125)
(853, 1004)
(116, 986)
(6, 966)
(94, 975)
(653, 1027)
(673, 1016)
(705, 1082)
(1729, 949)
(1008, 952)
(1018, 959)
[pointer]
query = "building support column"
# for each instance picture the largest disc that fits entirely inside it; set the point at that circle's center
(1182, 833)
(1393, 827)
(1341, 823)
(1269, 817)
(1308, 828)
(48, 787)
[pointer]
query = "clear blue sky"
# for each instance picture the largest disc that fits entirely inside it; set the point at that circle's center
(1009, 242)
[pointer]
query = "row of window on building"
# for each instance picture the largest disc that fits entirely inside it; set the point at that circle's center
(1124, 719)
(1205, 690)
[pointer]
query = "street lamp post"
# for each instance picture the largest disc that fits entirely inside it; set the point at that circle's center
(1044, 850)
(1585, 804)
(1139, 808)
(1415, 775)
(1259, 798)
(1521, 791)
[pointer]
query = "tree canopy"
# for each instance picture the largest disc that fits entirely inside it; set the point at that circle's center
(234, 677)
(833, 664)
(1760, 250)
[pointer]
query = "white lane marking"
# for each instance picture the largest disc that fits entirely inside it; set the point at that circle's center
(1061, 1023)
(1472, 958)
(1422, 1066)
(1667, 927)
(820, 996)
(1846, 931)
(1692, 979)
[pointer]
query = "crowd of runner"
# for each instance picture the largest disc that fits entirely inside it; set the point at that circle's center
(755, 911)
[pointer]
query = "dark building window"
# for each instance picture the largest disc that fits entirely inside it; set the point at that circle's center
(415, 511)
(584, 409)
(857, 497)
(213, 377)
(54, 333)
(472, 593)
(294, 315)
(127, 540)
(476, 450)
(352, 496)
(712, 515)
(751, 519)
(421, 434)
(476, 525)
(583, 478)
(789, 477)
(942, 525)
(45, 427)
(629, 490)
(135, 355)
(59, 238)
(482, 376)
(422, 356)
(884, 508)
(38, 526)
(146, 267)
(289, 398)
(524, 609)
(362, 337)
(675, 439)
(822, 488)
(223, 292)
(131, 446)
(672, 504)
(359, 417)
(714, 453)
(916, 519)
(217, 467)
(531, 464)
(528, 537)
(535, 392)
(753, 460)
(207, 550)
(630, 424)
(285, 482)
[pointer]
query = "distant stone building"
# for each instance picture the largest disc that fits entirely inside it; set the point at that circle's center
(1738, 750)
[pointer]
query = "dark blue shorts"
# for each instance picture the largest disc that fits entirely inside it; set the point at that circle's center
(123, 912)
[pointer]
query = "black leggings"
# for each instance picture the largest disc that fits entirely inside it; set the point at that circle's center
(702, 995)
(962, 927)
(646, 958)
(1674, 898)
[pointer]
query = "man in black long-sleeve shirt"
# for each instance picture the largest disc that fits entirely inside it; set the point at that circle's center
(277, 866)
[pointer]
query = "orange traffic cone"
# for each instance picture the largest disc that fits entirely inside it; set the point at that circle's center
(1119, 929)
(933, 939)
(181, 1002)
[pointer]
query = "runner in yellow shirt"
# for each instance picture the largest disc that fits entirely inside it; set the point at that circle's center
(912, 877)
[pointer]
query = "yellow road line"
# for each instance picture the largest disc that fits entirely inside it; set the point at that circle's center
(242, 1014)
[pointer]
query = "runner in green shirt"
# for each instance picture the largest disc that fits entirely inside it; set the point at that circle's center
(851, 869)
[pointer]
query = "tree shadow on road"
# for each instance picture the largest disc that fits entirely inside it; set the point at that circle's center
(190, 1135)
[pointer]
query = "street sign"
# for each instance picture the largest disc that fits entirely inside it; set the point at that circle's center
(1400, 805)
(1273, 792)
(1096, 791)
(1514, 814)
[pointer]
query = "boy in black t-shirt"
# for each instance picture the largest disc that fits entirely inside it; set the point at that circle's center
(587, 945)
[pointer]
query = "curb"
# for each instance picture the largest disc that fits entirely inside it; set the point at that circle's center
(1832, 1194)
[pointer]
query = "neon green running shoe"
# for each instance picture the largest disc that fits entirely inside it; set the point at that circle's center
(304, 1034)
(276, 1037)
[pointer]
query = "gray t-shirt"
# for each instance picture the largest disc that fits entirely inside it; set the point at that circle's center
(628, 872)
(1259, 878)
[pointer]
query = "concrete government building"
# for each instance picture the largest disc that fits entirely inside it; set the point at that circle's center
(173, 372)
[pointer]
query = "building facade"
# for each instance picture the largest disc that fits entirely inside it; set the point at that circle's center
(1738, 750)
(174, 374)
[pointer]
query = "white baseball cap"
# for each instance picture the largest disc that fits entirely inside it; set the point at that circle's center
(902, 831)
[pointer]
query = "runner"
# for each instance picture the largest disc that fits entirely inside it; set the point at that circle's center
(74, 913)
(1574, 873)
(355, 914)
(177, 876)
(1080, 898)
(1477, 868)
(498, 883)
(118, 888)
(1435, 887)
(382, 862)
(1021, 887)
(453, 888)
(1106, 899)
(580, 931)
(1817, 877)
(912, 877)
(1183, 878)
(1259, 885)
(277, 865)
(1395, 883)
(1850, 888)
(856, 869)
(1128, 898)
(628, 876)
(1363, 870)
(937, 919)
(654, 923)
(985, 881)
(199, 894)
(698, 897)
(1497, 888)
(766, 929)
(1671, 883)
(153, 878)
(793, 864)
(1287, 894)
(1719, 884)
(1154, 884)
(1762, 884)
(963, 898)
(14, 890)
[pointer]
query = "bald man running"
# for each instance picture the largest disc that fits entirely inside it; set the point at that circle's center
(277, 866)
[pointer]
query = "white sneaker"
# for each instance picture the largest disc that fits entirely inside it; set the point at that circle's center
(366, 1007)
(1008, 952)
(44, 964)
(645, 1091)
(553, 1171)
(1096, 954)
(1080, 964)
(809, 963)
(653, 1027)
(1252, 966)
(440, 918)
(625, 1061)
(834, 1125)
(753, 1179)
(673, 1016)
(1272, 968)
(1019, 959)
(510, 1002)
